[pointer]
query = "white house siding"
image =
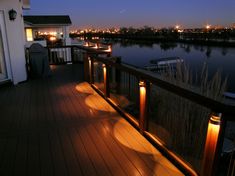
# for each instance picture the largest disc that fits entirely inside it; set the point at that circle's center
(15, 41)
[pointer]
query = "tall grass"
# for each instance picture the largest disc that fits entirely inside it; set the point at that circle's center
(180, 123)
(182, 76)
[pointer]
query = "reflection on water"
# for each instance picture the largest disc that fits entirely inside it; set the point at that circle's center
(196, 56)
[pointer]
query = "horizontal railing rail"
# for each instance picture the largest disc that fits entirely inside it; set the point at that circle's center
(117, 86)
(214, 105)
(58, 55)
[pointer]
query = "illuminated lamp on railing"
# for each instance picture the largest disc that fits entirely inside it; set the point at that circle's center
(96, 46)
(213, 131)
(142, 85)
(90, 69)
(52, 38)
(89, 61)
(215, 119)
(109, 49)
(104, 71)
(106, 81)
(86, 44)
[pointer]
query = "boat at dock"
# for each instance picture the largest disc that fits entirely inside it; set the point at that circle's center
(167, 60)
(229, 95)
(163, 63)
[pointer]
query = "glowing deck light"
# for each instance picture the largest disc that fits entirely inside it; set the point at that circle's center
(142, 84)
(104, 66)
(86, 44)
(104, 72)
(142, 95)
(215, 119)
(211, 143)
(96, 46)
(90, 69)
(106, 80)
(52, 38)
(109, 49)
(177, 26)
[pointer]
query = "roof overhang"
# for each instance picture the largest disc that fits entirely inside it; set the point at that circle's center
(47, 20)
(29, 25)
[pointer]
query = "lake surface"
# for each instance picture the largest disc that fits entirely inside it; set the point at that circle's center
(216, 58)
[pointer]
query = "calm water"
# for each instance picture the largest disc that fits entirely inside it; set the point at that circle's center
(216, 58)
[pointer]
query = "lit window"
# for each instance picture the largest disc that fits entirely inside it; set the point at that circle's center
(29, 35)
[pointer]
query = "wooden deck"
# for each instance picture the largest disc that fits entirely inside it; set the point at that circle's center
(60, 126)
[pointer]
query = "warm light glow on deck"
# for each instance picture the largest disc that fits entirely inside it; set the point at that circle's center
(96, 102)
(93, 100)
(124, 134)
(84, 88)
(136, 142)
(53, 67)
(121, 126)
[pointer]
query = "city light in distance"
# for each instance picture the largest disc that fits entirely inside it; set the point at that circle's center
(208, 26)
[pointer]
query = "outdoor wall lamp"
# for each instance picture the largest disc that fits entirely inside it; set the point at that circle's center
(211, 146)
(12, 14)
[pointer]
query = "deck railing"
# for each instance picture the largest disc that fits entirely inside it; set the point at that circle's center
(70, 54)
(185, 125)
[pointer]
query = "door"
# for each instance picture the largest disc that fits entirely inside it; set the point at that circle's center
(3, 71)
(2, 60)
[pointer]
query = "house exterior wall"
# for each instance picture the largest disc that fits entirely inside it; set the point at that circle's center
(16, 69)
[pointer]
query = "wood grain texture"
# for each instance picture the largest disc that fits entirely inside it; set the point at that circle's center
(60, 126)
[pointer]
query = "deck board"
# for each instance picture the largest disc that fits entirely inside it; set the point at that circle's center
(81, 153)
(45, 155)
(20, 165)
(60, 165)
(60, 126)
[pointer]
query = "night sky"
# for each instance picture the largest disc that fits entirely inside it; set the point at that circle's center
(137, 13)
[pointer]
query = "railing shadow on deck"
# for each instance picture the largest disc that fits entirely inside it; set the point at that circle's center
(126, 136)
(186, 126)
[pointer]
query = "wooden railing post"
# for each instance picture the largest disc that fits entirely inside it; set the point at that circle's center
(213, 145)
(86, 67)
(72, 54)
(144, 90)
(106, 80)
(49, 55)
(91, 70)
(118, 76)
